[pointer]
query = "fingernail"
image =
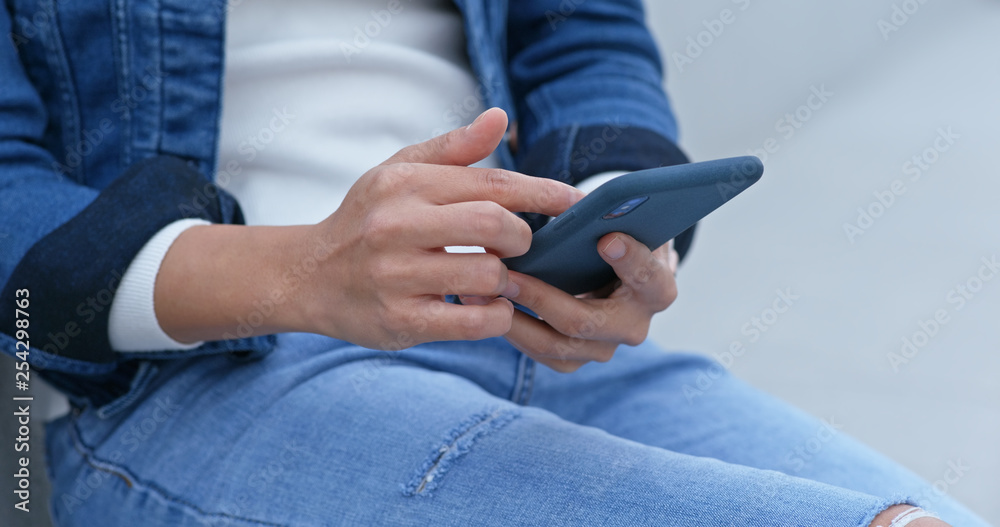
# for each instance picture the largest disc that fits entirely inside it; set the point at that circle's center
(615, 249)
(480, 118)
(511, 291)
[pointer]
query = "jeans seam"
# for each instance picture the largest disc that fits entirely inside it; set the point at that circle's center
(529, 382)
(523, 381)
(133, 482)
(144, 375)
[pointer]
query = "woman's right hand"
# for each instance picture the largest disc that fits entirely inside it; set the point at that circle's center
(374, 272)
(384, 283)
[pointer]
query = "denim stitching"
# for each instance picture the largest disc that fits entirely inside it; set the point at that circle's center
(135, 483)
(519, 379)
(529, 382)
(45, 360)
(120, 32)
(137, 389)
(69, 109)
(458, 443)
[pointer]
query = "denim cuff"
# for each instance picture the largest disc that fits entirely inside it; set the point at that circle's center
(574, 153)
(73, 272)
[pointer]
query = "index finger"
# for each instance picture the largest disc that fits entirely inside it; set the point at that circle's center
(514, 191)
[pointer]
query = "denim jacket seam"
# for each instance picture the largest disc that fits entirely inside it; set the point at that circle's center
(68, 104)
(120, 34)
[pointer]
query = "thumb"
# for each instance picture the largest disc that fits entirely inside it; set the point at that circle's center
(460, 147)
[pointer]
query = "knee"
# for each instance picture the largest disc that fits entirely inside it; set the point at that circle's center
(697, 374)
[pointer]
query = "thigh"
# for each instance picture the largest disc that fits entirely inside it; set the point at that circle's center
(690, 404)
(293, 441)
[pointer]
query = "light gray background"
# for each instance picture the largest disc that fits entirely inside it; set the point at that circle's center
(828, 353)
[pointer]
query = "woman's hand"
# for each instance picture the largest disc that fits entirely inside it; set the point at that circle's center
(374, 272)
(571, 330)
(385, 283)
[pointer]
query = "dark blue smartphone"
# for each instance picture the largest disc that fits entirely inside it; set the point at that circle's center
(653, 206)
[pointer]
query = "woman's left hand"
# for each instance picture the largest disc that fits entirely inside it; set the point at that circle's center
(574, 330)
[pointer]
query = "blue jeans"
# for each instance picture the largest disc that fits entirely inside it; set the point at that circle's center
(321, 432)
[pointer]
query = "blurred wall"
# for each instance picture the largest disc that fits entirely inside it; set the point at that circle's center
(923, 84)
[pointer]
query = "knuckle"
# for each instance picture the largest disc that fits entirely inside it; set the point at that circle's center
(383, 271)
(544, 346)
(582, 325)
(529, 297)
(454, 284)
(500, 325)
(576, 332)
(641, 274)
(379, 228)
(636, 334)
(593, 326)
(472, 325)
(497, 183)
(383, 179)
(605, 353)
(549, 349)
(403, 172)
(665, 297)
(670, 295)
(565, 366)
(557, 348)
(548, 195)
(642, 268)
(391, 179)
(442, 143)
(491, 275)
(522, 237)
(489, 221)
(390, 321)
(634, 340)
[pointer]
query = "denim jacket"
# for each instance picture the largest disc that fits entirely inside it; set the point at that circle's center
(109, 124)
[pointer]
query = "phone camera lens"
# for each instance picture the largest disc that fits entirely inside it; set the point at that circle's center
(625, 208)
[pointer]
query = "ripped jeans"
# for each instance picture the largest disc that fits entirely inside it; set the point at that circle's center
(321, 432)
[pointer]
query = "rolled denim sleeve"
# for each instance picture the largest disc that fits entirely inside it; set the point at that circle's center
(586, 79)
(67, 244)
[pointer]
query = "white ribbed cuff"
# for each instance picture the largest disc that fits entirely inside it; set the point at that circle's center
(132, 325)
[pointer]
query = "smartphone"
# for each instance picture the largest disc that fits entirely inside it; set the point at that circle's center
(653, 206)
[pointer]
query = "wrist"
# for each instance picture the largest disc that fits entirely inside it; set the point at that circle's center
(226, 281)
(299, 286)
